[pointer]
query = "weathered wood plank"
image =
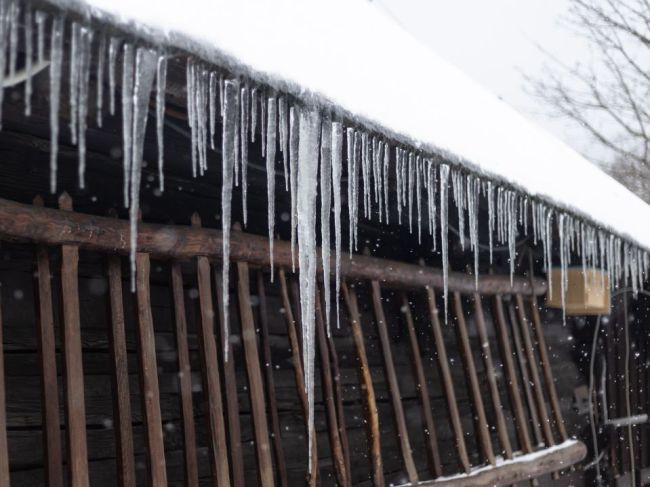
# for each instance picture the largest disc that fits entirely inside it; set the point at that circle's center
(150, 393)
(256, 388)
(120, 377)
(190, 466)
(395, 396)
(73, 364)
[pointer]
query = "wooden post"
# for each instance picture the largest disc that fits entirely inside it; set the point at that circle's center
(47, 360)
(150, 393)
(230, 384)
(367, 387)
(328, 396)
(120, 377)
(184, 378)
(75, 405)
(210, 373)
(393, 385)
(256, 388)
(445, 374)
(430, 439)
(490, 373)
(270, 383)
(482, 426)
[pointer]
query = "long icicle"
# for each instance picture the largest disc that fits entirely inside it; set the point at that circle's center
(243, 139)
(29, 56)
(145, 70)
(294, 137)
(271, 144)
(101, 66)
(73, 81)
(127, 117)
(56, 63)
(161, 87)
(326, 212)
(337, 166)
(444, 204)
(228, 143)
(85, 50)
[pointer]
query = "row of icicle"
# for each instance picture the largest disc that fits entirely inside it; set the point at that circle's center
(312, 144)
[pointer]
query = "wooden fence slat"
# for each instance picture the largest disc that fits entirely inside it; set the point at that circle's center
(328, 396)
(546, 368)
(445, 373)
(471, 376)
(46, 343)
(256, 388)
(270, 383)
(431, 441)
(230, 387)
(296, 361)
(120, 377)
(191, 469)
(367, 387)
(536, 383)
(393, 384)
(75, 405)
(211, 379)
(511, 376)
(525, 378)
(4, 450)
(486, 353)
(149, 390)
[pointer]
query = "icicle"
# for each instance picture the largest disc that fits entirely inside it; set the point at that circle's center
(512, 231)
(113, 49)
(411, 184)
(29, 57)
(161, 87)
(263, 123)
(458, 187)
(398, 183)
(127, 117)
(212, 99)
(548, 233)
(254, 113)
(350, 168)
(473, 188)
(563, 263)
(243, 139)
(5, 8)
(56, 61)
(201, 119)
(432, 202)
(337, 164)
(73, 82)
(101, 61)
(190, 100)
(365, 174)
(271, 144)
(14, 15)
(356, 166)
(228, 141)
(284, 138)
(385, 181)
(145, 70)
(418, 193)
(490, 199)
(307, 190)
(444, 182)
(294, 134)
(326, 212)
(40, 36)
(85, 50)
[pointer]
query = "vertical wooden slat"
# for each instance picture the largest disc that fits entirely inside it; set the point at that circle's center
(47, 361)
(525, 379)
(184, 378)
(210, 374)
(230, 386)
(482, 426)
(75, 405)
(430, 438)
(256, 388)
(546, 369)
(120, 377)
(511, 376)
(149, 390)
(536, 383)
(328, 396)
(393, 384)
(4, 451)
(445, 373)
(299, 376)
(367, 387)
(270, 383)
(490, 371)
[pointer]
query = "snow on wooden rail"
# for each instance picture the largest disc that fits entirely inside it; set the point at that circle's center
(521, 467)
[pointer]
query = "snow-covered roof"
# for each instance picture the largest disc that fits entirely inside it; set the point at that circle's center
(349, 54)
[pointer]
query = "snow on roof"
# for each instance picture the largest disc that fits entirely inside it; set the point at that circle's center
(349, 54)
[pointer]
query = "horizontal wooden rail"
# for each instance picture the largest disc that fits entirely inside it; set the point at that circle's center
(54, 227)
(520, 468)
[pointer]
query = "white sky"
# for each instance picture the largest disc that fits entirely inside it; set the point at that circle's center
(496, 42)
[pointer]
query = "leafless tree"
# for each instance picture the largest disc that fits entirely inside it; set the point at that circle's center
(609, 94)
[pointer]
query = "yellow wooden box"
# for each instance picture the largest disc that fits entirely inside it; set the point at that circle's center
(585, 294)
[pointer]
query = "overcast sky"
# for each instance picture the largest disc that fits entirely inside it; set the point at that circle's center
(496, 42)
